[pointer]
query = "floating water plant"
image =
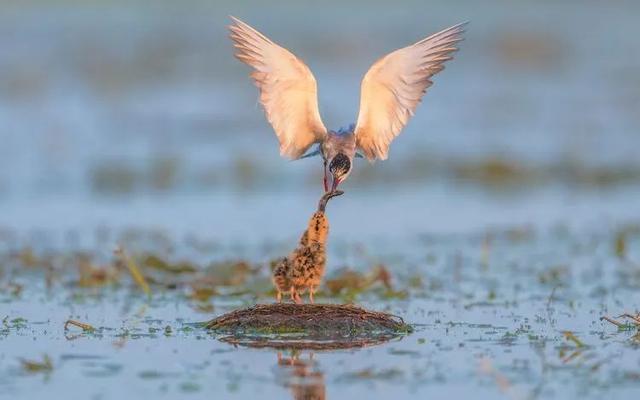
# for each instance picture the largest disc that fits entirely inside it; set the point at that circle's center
(634, 321)
(134, 270)
(37, 366)
(572, 337)
(81, 325)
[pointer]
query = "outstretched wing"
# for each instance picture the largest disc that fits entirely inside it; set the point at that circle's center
(393, 87)
(288, 90)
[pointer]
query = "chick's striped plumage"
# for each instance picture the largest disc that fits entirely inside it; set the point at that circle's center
(308, 267)
(304, 268)
(281, 279)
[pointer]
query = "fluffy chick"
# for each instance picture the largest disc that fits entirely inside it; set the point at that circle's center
(282, 272)
(304, 268)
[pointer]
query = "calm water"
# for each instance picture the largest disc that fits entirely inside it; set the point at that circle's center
(489, 317)
(117, 117)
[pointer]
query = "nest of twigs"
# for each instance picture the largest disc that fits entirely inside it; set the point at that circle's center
(314, 326)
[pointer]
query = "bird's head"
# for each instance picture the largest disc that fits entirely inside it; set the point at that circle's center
(337, 170)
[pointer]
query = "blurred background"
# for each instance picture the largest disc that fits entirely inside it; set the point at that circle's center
(135, 113)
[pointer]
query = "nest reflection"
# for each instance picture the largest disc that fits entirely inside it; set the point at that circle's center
(302, 376)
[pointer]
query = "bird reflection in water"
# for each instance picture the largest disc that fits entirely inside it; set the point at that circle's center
(302, 376)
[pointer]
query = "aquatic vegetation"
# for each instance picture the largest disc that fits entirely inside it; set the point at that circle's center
(155, 262)
(120, 177)
(307, 326)
(228, 273)
(136, 274)
(113, 178)
(529, 287)
(202, 293)
(622, 236)
(248, 173)
(349, 283)
(373, 374)
(91, 275)
(554, 275)
(633, 322)
(311, 319)
(44, 366)
(85, 327)
(573, 338)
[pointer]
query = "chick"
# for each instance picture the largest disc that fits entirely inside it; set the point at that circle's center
(304, 268)
(308, 266)
(281, 279)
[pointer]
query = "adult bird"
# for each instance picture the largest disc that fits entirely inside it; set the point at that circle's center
(390, 93)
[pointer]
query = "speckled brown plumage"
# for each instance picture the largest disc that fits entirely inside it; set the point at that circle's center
(281, 279)
(304, 268)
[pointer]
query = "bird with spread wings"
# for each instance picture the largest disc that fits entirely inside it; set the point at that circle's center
(390, 93)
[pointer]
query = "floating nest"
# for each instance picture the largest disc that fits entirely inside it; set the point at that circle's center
(307, 326)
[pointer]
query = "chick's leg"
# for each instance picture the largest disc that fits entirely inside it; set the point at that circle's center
(295, 296)
(311, 293)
